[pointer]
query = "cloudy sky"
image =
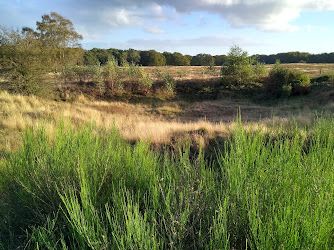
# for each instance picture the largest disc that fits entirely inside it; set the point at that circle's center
(188, 26)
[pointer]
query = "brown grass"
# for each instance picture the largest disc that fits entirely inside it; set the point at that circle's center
(203, 72)
(162, 123)
(135, 122)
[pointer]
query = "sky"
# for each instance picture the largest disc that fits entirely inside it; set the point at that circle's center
(188, 26)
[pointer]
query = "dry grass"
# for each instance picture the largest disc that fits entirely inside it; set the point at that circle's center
(135, 122)
(185, 72)
(203, 72)
(160, 123)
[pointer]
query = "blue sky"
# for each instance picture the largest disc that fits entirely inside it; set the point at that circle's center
(188, 26)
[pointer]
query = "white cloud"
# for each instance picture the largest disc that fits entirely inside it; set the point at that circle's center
(265, 15)
(106, 15)
(210, 43)
(154, 30)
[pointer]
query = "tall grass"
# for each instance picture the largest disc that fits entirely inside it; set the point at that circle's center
(90, 189)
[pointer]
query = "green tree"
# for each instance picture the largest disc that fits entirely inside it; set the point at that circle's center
(24, 62)
(89, 58)
(169, 57)
(180, 60)
(220, 60)
(133, 56)
(26, 57)
(203, 60)
(102, 55)
(58, 34)
(237, 69)
(55, 31)
(152, 58)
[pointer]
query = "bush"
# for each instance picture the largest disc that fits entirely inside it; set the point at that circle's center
(136, 78)
(167, 80)
(327, 78)
(259, 70)
(112, 76)
(284, 82)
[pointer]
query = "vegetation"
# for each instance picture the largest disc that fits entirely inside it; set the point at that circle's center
(26, 57)
(86, 189)
(297, 57)
(159, 174)
(284, 81)
(178, 59)
(237, 69)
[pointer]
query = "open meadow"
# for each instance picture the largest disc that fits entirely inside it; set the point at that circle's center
(167, 140)
(227, 171)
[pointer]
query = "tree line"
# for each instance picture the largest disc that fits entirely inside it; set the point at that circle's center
(150, 58)
(154, 58)
(296, 57)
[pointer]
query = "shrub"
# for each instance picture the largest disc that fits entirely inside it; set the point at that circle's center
(327, 78)
(136, 77)
(167, 80)
(284, 81)
(259, 71)
(112, 76)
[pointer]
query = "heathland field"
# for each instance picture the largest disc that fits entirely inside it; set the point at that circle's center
(189, 163)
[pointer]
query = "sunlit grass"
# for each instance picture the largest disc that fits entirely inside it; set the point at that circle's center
(89, 188)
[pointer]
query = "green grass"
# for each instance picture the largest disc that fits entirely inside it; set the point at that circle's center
(89, 189)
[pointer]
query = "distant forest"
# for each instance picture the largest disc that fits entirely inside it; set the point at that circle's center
(154, 58)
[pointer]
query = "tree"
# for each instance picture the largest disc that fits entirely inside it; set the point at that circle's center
(58, 34)
(133, 56)
(27, 56)
(237, 68)
(24, 62)
(55, 31)
(180, 60)
(203, 60)
(89, 58)
(169, 57)
(220, 60)
(152, 58)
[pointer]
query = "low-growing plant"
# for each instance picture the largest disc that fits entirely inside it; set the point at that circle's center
(90, 189)
(166, 79)
(327, 78)
(169, 82)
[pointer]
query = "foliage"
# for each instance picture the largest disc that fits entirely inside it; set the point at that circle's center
(284, 81)
(137, 77)
(26, 57)
(58, 33)
(297, 57)
(152, 58)
(111, 78)
(220, 60)
(133, 56)
(20, 59)
(237, 70)
(327, 78)
(167, 80)
(90, 189)
(259, 70)
(203, 60)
